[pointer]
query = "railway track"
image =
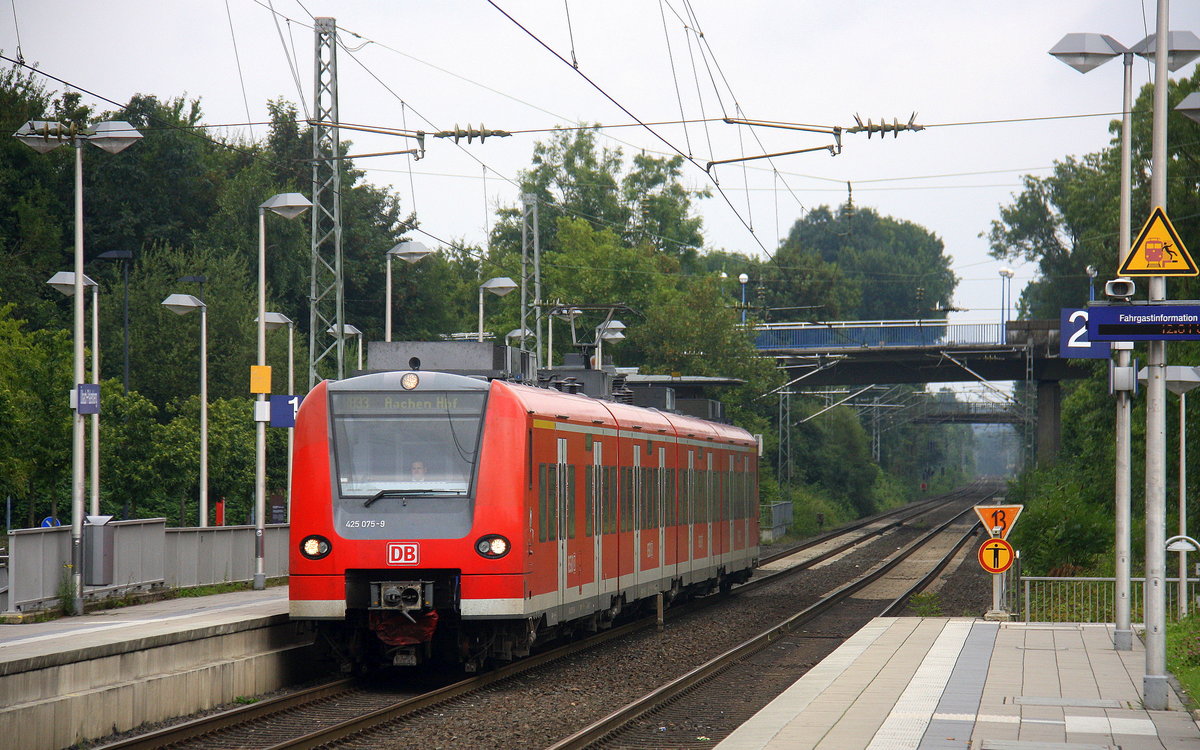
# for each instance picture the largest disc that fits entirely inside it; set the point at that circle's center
(345, 709)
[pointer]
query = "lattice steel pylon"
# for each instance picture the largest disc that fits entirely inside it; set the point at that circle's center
(326, 298)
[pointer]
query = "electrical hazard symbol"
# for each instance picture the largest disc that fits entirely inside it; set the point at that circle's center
(1158, 251)
(996, 556)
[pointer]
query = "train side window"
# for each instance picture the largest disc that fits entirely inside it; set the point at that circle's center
(552, 502)
(542, 502)
(672, 500)
(571, 500)
(610, 499)
(589, 490)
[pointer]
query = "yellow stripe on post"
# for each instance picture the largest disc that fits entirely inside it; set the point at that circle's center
(260, 378)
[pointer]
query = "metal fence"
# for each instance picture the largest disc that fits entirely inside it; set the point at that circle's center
(776, 520)
(1047, 599)
(146, 555)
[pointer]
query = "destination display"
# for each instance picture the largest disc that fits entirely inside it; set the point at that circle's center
(1144, 323)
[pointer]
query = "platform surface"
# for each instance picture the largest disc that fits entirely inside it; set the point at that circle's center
(63, 640)
(940, 683)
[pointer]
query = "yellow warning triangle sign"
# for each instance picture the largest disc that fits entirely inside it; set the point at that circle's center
(1158, 251)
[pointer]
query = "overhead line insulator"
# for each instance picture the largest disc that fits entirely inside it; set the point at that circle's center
(471, 133)
(884, 127)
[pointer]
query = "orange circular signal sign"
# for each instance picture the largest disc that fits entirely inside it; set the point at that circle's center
(996, 556)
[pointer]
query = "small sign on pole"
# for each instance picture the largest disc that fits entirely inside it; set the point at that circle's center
(996, 556)
(1001, 517)
(283, 410)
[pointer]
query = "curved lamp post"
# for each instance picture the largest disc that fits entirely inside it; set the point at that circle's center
(182, 304)
(112, 136)
(289, 206)
(499, 286)
(409, 252)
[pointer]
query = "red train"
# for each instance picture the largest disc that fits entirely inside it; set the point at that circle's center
(442, 517)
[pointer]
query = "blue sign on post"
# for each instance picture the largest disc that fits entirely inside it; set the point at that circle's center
(1144, 323)
(1073, 339)
(283, 410)
(89, 398)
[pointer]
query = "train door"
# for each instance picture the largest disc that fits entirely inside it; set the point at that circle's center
(664, 503)
(699, 513)
(597, 509)
(636, 501)
(687, 503)
(566, 516)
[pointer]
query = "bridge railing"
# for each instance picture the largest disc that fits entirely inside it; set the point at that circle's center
(859, 334)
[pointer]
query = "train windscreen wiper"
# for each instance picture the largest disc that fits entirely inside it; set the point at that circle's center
(407, 493)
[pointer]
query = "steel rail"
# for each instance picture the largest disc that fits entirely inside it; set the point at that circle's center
(200, 727)
(677, 687)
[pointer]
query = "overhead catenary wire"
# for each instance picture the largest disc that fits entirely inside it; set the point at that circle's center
(620, 106)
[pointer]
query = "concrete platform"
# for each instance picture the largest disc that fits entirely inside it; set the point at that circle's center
(940, 683)
(78, 678)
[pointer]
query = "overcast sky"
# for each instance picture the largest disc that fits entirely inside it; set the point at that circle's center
(431, 65)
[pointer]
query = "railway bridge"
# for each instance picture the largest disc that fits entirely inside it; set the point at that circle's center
(864, 353)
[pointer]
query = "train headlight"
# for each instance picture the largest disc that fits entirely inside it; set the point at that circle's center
(315, 547)
(409, 381)
(492, 546)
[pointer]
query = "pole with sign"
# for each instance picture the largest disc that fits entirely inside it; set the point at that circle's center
(996, 555)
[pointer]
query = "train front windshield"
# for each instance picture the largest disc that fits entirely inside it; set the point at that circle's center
(406, 443)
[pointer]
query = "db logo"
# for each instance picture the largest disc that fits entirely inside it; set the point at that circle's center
(403, 553)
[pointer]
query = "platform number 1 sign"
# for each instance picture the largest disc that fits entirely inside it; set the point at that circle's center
(283, 410)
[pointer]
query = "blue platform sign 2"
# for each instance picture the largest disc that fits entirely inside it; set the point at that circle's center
(1073, 339)
(283, 410)
(89, 398)
(1144, 323)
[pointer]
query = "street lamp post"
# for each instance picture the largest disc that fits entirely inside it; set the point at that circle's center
(182, 304)
(410, 252)
(289, 206)
(742, 279)
(125, 256)
(609, 330)
(278, 320)
(1091, 273)
(1084, 52)
(1006, 275)
(112, 136)
(349, 330)
(499, 286)
(64, 281)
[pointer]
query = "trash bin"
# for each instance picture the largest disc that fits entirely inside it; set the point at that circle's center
(98, 544)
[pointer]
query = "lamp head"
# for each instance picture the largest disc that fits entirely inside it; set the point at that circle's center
(287, 205)
(64, 281)
(182, 304)
(113, 136)
(1085, 52)
(499, 286)
(410, 251)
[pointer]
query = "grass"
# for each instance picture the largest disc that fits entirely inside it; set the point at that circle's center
(926, 604)
(1183, 655)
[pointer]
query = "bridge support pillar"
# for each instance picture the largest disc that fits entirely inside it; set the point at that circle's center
(1049, 421)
